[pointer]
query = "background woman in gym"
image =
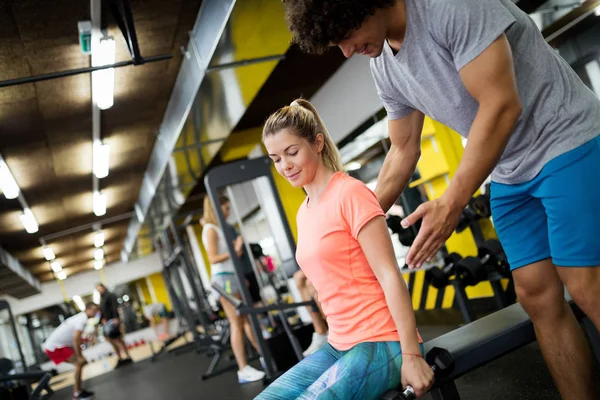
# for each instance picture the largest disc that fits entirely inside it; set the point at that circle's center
(223, 274)
(345, 250)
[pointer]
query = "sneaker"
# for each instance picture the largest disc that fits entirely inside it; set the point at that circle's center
(84, 395)
(249, 374)
(318, 341)
(127, 361)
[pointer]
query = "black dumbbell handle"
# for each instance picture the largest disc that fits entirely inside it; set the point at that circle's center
(447, 268)
(409, 392)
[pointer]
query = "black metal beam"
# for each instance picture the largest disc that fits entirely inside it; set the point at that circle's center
(137, 57)
(242, 63)
(116, 13)
(71, 72)
(198, 145)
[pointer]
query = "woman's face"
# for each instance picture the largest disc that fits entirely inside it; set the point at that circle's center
(294, 157)
(226, 208)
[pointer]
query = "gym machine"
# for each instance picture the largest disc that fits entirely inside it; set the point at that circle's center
(258, 171)
(17, 385)
(186, 291)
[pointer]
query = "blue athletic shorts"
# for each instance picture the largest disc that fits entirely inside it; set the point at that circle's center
(555, 215)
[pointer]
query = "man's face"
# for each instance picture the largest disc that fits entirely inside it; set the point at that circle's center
(101, 289)
(92, 311)
(367, 40)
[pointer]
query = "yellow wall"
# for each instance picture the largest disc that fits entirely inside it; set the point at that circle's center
(160, 289)
(145, 291)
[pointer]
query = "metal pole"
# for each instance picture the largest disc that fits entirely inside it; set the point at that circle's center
(13, 325)
(246, 298)
(241, 63)
(187, 267)
(77, 71)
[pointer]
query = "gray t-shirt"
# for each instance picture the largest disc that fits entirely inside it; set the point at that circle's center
(559, 112)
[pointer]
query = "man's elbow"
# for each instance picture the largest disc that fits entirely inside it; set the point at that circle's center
(514, 108)
(410, 153)
(504, 110)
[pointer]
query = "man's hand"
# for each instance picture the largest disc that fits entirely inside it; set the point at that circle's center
(440, 218)
(416, 373)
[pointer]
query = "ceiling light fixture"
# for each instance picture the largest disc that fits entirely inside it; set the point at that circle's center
(597, 11)
(100, 159)
(98, 264)
(99, 239)
(103, 81)
(56, 267)
(8, 185)
(62, 275)
(98, 254)
(99, 203)
(49, 254)
(28, 221)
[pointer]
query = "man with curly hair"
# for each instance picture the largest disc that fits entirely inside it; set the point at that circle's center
(483, 68)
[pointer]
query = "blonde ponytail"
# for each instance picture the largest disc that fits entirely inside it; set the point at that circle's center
(306, 122)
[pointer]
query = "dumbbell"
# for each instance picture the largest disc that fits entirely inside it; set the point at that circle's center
(440, 277)
(441, 362)
(406, 236)
(491, 257)
(498, 261)
(478, 208)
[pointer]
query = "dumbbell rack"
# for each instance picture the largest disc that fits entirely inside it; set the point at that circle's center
(501, 298)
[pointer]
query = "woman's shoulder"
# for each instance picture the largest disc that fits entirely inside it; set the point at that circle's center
(349, 185)
(208, 227)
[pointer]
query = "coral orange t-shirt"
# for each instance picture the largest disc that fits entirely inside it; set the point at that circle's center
(331, 257)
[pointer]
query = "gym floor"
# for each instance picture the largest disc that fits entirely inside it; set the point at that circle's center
(520, 375)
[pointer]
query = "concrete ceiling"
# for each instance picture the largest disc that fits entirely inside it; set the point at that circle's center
(46, 127)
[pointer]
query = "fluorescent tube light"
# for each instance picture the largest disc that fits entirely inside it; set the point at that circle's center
(99, 204)
(100, 160)
(8, 185)
(98, 254)
(49, 254)
(56, 267)
(99, 239)
(103, 81)
(28, 221)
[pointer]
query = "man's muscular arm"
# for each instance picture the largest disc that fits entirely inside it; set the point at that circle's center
(401, 160)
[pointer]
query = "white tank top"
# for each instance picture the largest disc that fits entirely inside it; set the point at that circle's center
(224, 266)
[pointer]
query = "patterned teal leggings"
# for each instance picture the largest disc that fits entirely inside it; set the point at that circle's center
(364, 372)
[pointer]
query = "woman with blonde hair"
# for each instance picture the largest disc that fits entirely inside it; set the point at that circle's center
(223, 274)
(345, 250)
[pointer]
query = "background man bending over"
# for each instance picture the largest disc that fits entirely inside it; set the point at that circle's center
(64, 345)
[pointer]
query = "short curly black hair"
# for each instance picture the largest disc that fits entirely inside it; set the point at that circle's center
(316, 24)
